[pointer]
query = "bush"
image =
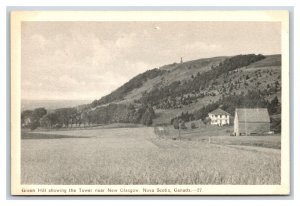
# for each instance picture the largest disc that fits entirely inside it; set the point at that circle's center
(34, 125)
(176, 124)
(182, 125)
(58, 126)
(207, 120)
(193, 126)
(276, 125)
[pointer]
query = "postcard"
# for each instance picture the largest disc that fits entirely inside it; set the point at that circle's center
(150, 103)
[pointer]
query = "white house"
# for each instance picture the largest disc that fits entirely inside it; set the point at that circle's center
(219, 117)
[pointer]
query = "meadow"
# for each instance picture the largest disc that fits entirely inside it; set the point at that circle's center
(142, 156)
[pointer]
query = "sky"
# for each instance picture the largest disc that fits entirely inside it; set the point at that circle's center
(87, 60)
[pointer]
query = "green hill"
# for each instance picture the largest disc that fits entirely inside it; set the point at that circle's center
(189, 86)
(190, 89)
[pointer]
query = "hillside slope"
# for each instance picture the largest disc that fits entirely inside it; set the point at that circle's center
(189, 86)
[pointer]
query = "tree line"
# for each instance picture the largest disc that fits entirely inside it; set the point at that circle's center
(72, 117)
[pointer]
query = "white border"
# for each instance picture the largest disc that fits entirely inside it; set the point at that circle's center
(5, 199)
(273, 16)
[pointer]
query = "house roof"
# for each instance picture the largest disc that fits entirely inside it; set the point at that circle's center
(219, 112)
(253, 115)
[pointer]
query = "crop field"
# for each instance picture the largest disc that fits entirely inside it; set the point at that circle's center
(144, 156)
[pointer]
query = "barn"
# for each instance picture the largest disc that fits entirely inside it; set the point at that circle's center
(249, 121)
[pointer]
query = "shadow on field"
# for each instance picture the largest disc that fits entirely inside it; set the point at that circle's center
(29, 135)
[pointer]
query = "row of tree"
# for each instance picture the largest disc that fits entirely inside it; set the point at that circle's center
(69, 117)
(120, 113)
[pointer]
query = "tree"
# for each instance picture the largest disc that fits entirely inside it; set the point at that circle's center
(31, 118)
(148, 116)
(49, 120)
(193, 126)
(64, 115)
(276, 125)
(275, 106)
(25, 117)
(34, 125)
(176, 123)
(182, 125)
(84, 118)
(207, 120)
(147, 119)
(45, 122)
(39, 112)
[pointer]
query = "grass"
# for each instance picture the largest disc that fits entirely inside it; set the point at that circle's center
(271, 60)
(138, 156)
(219, 135)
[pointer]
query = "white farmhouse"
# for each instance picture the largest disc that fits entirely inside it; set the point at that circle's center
(219, 117)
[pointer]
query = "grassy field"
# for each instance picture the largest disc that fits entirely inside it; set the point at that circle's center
(218, 135)
(141, 156)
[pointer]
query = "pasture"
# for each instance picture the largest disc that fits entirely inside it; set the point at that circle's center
(142, 156)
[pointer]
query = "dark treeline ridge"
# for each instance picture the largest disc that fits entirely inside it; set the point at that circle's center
(132, 84)
(200, 81)
(71, 117)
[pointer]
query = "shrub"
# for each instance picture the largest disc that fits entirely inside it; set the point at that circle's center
(176, 124)
(58, 126)
(193, 126)
(34, 125)
(182, 125)
(207, 120)
(276, 125)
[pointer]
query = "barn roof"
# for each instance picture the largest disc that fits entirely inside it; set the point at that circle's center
(219, 112)
(253, 115)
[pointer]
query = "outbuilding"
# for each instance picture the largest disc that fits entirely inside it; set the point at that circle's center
(249, 121)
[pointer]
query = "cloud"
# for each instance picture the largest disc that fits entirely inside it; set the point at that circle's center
(90, 59)
(126, 41)
(67, 80)
(201, 46)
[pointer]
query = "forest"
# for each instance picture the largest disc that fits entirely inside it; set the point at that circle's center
(197, 84)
